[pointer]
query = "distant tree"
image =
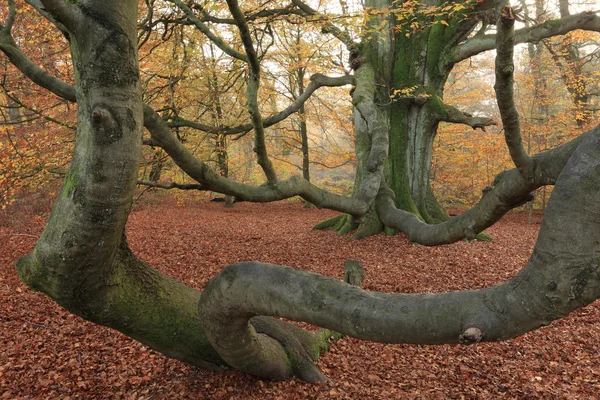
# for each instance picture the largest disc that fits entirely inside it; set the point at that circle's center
(83, 262)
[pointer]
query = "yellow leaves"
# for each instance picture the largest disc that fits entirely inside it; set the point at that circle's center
(413, 92)
(444, 22)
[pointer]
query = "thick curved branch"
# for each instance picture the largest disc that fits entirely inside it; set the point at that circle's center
(206, 31)
(172, 185)
(316, 81)
(32, 70)
(563, 274)
(478, 44)
(448, 113)
(510, 190)
(202, 173)
(65, 12)
(10, 17)
(504, 87)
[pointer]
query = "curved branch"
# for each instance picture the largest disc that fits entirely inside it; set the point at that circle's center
(504, 68)
(510, 190)
(478, 44)
(202, 173)
(172, 185)
(260, 148)
(448, 113)
(558, 279)
(33, 71)
(64, 12)
(316, 81)
(10, 17)
(206, 31)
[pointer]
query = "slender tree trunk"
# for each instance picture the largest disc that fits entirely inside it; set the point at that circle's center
(303, 133)
(220, 139)
(223, 162)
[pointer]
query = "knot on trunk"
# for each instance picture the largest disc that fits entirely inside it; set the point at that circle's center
(106, 125)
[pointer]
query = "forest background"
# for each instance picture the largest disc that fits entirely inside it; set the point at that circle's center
(186, 77)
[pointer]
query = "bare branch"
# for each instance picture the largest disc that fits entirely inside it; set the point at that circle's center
(206, 30)
(260, 147)
(32, 70)
(10, 18)
(448, 113)
(316, 81)
(509, 190)
(202, 173)
(478, 44)
(172, 185)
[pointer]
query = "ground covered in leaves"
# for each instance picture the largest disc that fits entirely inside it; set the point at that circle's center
(48, 353)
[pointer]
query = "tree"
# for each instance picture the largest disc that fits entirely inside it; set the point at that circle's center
(83, 262)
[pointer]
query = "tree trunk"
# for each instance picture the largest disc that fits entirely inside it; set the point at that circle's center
(82, 260)
(411, 69)
(303, 132)
(223, 162)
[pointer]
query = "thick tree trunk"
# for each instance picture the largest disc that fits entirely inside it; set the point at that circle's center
(82, 260)
(410, 69)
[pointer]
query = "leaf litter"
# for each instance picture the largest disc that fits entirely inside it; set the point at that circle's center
(51, 354)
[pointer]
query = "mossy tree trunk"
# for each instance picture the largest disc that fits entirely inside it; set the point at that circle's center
(82, 260)
(411, 69)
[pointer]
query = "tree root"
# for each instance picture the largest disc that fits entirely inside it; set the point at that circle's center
(345, 223)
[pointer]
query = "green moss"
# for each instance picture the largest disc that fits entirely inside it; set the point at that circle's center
(68, 185)
(29, 269)
(390, 231)
(436, 105)
(483, 237)
(158, 311)
(329, 223)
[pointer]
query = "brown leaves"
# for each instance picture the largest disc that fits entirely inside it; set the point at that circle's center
(48, 353)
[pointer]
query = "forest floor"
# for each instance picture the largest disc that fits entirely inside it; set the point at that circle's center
(47, 353)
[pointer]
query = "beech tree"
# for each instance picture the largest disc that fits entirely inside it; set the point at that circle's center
(83, 262)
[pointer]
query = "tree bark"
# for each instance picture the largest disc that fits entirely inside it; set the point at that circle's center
(562, 275)
(82, 260)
